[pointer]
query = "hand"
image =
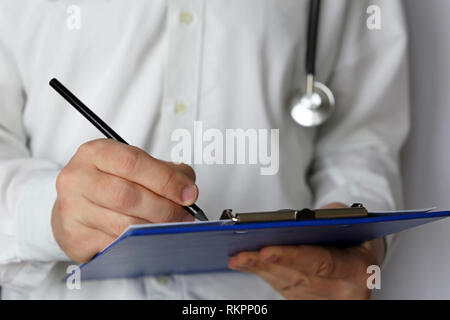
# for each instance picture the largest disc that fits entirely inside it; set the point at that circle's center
(314, 272)
(107, 186)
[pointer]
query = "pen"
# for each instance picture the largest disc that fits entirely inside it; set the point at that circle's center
(193, 209)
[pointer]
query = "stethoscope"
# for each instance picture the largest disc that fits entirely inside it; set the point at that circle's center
(316, 105)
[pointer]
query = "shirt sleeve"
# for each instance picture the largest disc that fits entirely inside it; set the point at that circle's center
(27, 189)
(357, 151)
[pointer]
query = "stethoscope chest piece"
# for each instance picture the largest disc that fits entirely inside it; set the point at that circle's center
(314, 107)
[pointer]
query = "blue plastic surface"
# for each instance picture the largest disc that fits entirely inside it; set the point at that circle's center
(206, 247)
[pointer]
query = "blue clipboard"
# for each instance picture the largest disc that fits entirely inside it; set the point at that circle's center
(193, 247)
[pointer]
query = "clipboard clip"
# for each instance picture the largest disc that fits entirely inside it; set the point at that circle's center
(356, 210)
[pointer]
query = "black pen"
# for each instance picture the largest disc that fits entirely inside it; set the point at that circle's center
(193, 209)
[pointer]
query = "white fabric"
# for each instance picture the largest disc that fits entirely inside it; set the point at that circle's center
(234, 64)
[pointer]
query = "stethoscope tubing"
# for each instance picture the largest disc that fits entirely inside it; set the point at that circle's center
(313, 30)
(313, 107)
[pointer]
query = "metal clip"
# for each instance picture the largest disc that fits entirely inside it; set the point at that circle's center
(356, 210)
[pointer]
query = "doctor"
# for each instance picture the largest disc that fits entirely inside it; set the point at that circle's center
(151, 67)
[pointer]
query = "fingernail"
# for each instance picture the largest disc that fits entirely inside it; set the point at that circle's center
(188, 194)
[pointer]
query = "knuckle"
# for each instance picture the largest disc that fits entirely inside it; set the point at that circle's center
(88, 148)
(127, 161)
(326, 264)
(65, 179)
(124, 195)
(168, 183)
(188, 170)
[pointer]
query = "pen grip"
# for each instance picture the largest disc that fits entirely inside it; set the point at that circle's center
(194, 210)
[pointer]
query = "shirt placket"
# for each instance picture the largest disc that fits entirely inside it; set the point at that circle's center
(182, 78)
(182, 74)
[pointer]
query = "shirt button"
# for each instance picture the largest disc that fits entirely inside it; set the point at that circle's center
(180, 108)
(164, 280)
(186, 17)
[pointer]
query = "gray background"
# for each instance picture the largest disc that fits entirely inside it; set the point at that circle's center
(420, 266)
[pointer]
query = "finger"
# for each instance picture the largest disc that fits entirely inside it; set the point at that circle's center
(87, 242)
(243, 260)
(183, 168)
(294, 286)
(295, 289)
(278, 276)
(120, 195)
(313, 260)
(105, 220)
(292, 283)
(132, 163)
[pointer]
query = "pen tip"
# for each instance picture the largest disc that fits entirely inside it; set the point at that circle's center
(201, 216)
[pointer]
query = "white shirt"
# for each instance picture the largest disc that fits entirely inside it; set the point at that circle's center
(228, 63)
